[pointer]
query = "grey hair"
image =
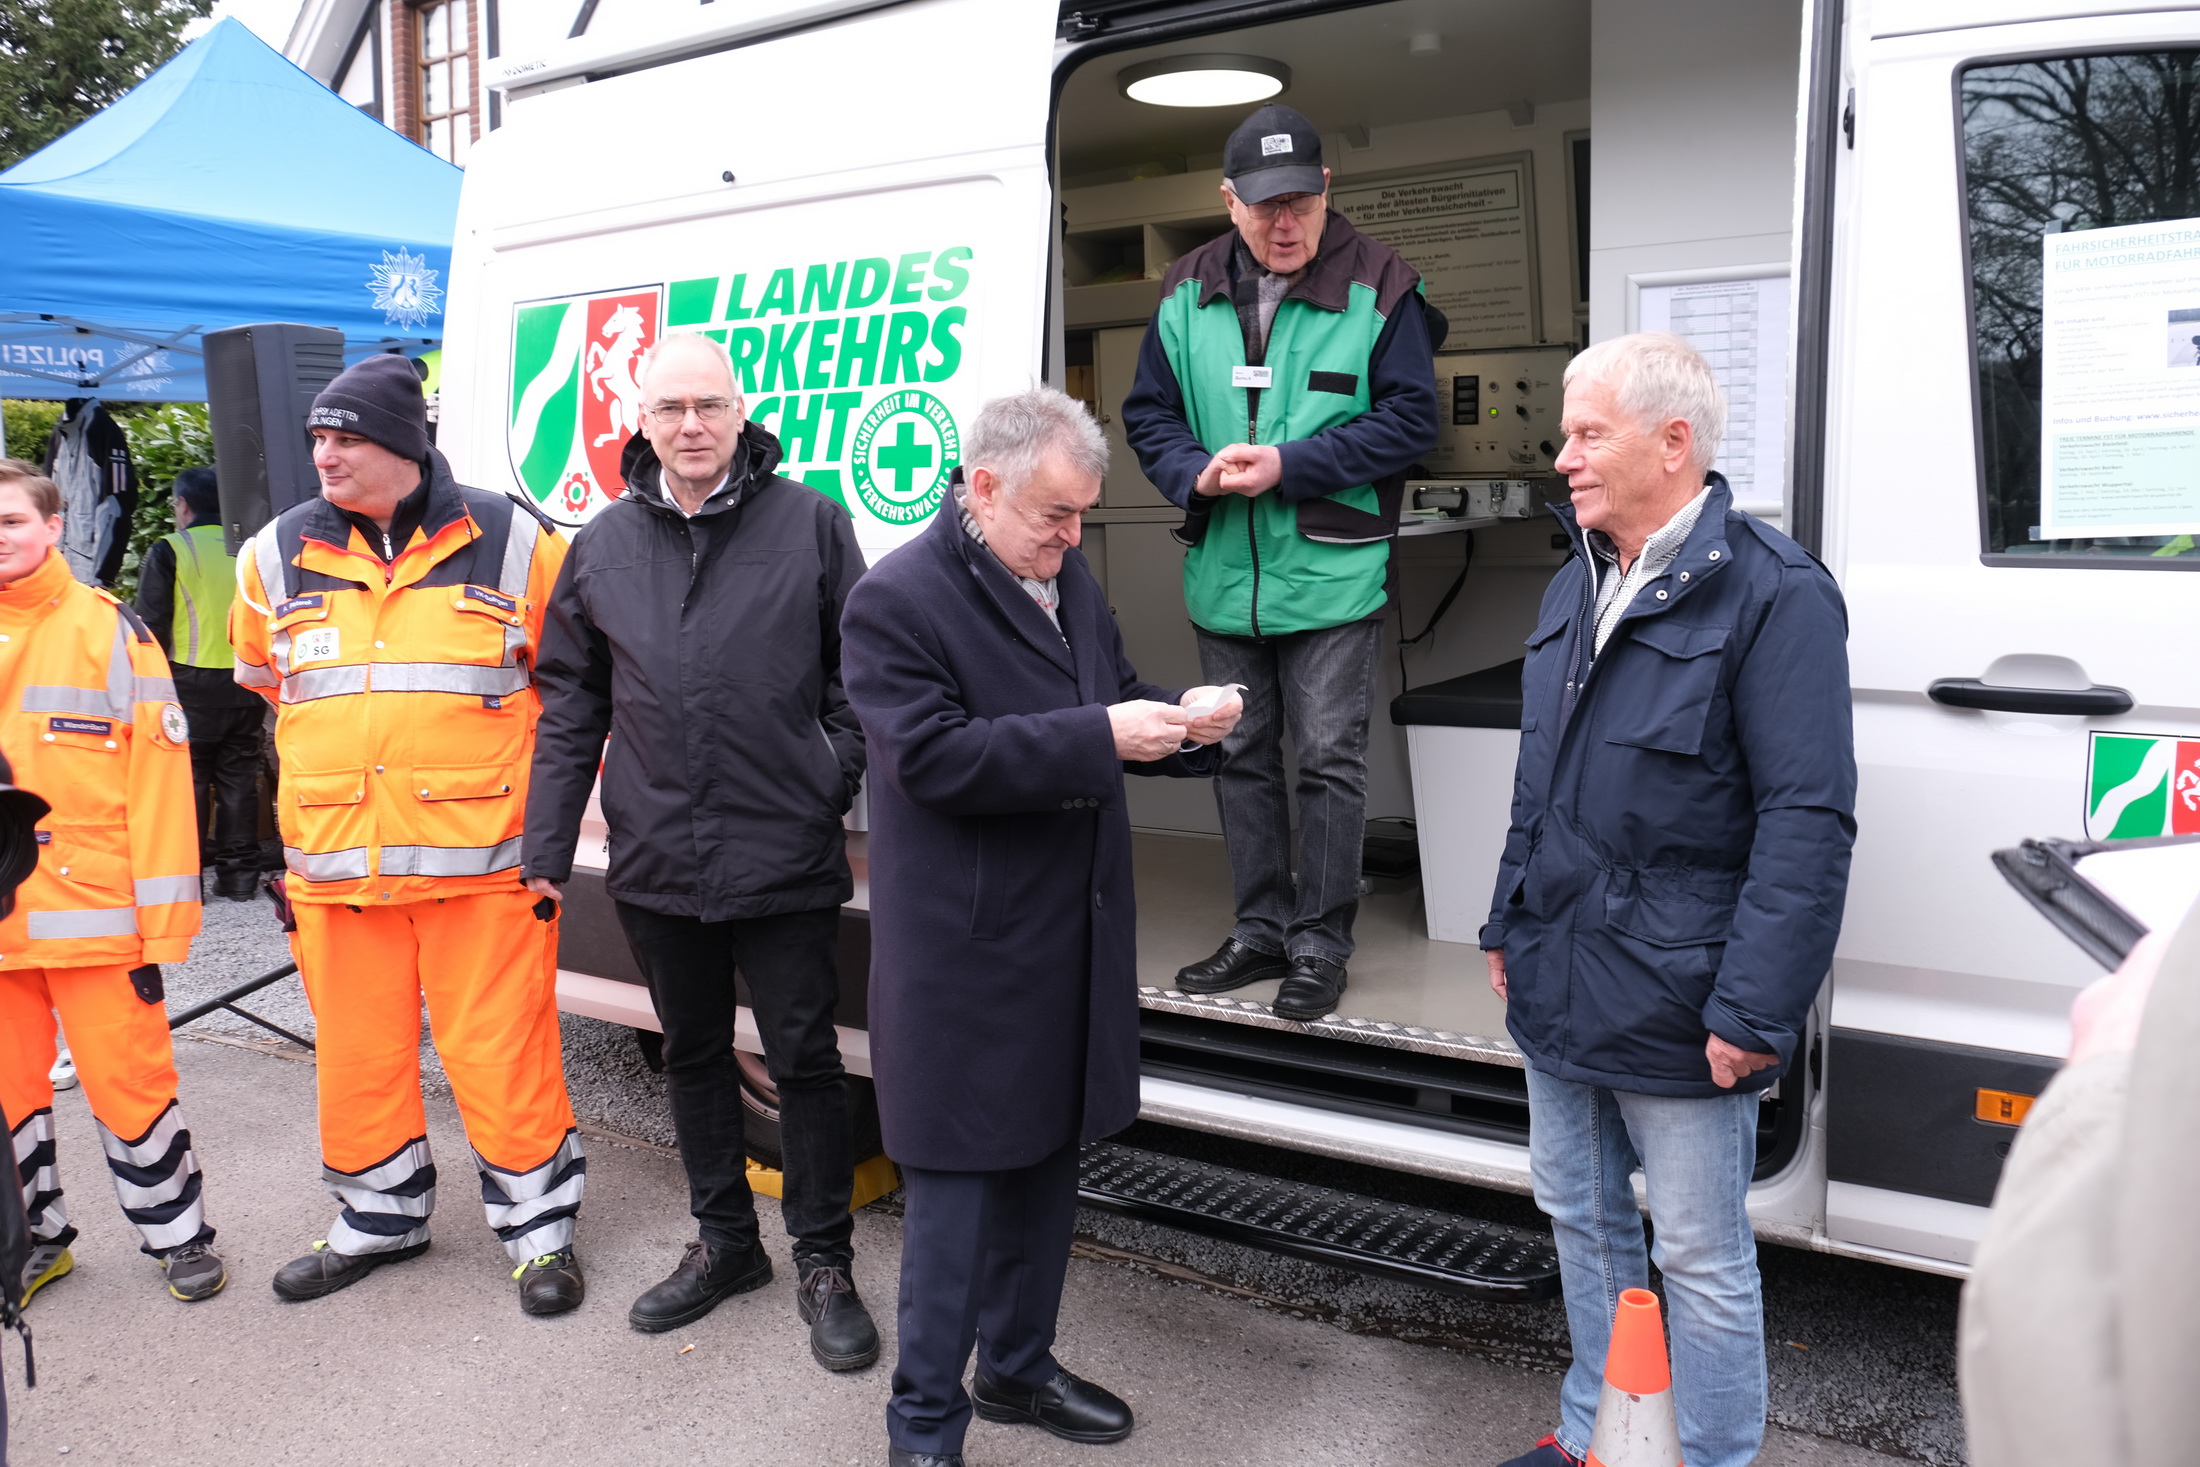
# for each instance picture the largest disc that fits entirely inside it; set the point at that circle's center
(1013, 436)
(1657, 377)
(710, 344)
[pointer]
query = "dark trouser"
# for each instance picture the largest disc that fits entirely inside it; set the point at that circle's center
(225, 773)
(794, 982)
(983, 1255)
(1321, 686)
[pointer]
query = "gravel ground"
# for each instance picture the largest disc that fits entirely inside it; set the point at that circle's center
(1859, 1352)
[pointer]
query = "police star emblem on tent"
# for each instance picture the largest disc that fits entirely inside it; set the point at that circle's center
(404, 288)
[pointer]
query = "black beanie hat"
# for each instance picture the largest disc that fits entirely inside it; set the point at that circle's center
(378, 399)
(201, 492)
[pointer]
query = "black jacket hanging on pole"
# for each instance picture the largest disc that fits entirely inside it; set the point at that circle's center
(88, 456)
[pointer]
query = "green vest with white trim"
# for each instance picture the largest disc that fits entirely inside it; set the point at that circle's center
(206, 582)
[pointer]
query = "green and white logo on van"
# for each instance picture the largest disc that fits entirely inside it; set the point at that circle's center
(903, 452)
(2142, 785)
(857, 366)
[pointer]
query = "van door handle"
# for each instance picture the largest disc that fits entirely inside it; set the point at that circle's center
(1968, 692)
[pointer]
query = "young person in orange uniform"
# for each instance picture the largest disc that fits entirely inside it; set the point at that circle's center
(393, 622)
(88, 719)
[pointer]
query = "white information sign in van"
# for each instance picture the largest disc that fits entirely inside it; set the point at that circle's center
(2120, 385)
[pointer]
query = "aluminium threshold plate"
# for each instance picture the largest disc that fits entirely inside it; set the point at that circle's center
(1384, 1034)
(1418, 1245)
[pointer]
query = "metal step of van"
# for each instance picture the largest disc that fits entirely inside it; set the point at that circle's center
(1438, 1250)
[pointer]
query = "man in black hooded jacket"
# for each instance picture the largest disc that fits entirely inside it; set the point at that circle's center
(697, 623)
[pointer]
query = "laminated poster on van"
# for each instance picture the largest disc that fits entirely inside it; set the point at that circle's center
(2120, 382)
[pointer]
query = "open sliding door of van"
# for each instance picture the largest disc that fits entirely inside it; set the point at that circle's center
(2013, 505)
(857, 209)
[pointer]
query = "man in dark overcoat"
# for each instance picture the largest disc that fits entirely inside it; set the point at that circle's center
(1000, 715)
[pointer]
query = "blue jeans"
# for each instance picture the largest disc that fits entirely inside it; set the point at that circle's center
(1321, 685)
(1584, 1144)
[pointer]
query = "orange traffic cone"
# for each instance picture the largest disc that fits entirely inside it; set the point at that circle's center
(1635, 1424)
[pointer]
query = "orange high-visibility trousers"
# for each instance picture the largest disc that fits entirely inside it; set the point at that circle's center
(488, 969)
(127, 1066)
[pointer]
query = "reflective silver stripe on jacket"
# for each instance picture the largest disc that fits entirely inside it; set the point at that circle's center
(470, 679)
(348, 865)
(519, 553)
(252, 675)
(275, 584)
(124, 686)
(90, 702)
(450, 860)
(519, 558)
(89, 922)
(190, 651)
(270, 558)
(324, 682)
(154, 891)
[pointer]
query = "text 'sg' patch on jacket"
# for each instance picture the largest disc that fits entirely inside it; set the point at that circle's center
(100, 726)
(322, 644)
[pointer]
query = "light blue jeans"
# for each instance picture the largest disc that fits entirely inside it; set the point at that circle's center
(1584, 1143)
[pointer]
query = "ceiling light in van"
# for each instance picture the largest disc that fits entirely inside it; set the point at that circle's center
(1205, 80)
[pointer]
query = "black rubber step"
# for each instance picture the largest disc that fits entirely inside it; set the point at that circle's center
(1438, 1250)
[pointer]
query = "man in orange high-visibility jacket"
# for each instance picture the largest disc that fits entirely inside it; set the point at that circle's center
(393, 623)
(88, 719)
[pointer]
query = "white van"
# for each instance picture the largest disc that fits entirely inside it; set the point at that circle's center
(1945, 254)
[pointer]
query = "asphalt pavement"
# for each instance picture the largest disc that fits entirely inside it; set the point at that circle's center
(1228, 1354)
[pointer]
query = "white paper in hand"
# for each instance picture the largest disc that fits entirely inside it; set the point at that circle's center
(1201, 701)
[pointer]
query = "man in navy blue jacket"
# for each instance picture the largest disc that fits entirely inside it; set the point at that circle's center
(1672, 884)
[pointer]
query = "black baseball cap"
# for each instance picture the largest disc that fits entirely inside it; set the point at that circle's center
(1274, 152)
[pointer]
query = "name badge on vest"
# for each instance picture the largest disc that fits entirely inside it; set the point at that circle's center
(1251, 376)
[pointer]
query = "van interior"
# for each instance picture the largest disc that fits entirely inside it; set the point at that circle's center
(1459, 134)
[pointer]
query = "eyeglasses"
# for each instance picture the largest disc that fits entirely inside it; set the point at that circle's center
(709, 410)
(1300, 205)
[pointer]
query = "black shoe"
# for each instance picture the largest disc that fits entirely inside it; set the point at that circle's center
(1233, 966)
(695, 1287)
(238, 886)
(324, 1270)
(1074, 1410)
(551, 1284)
(1315, 988)
(842, 1336)
(896, 1457)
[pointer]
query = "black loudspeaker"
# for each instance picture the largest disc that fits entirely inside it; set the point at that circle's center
(260, 384)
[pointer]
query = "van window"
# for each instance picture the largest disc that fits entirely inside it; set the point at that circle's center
(2056, 146)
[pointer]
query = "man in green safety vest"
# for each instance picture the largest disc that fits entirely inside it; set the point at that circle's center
(184, 589)
(1285, 386)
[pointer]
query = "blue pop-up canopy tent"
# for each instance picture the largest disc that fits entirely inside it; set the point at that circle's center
(228, 187)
